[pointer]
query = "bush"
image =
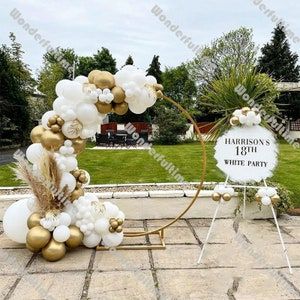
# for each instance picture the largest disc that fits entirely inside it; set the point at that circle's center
(170, 126)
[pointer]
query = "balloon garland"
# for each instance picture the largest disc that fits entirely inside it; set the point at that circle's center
(61, 215)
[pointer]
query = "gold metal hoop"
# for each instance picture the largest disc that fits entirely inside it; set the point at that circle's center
(201, 183)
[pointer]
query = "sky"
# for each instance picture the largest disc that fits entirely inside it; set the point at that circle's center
(130, 27)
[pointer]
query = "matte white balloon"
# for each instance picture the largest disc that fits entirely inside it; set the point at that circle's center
(46, 116)
(35, 152)
(266, 200)
(151, 79)
(102, 226)
(81, 79)
(68, 180)
(112, 239)
(111, 210)
(70, 163)
(87, 113)
(15, 221)
(65, 219)
(60, 86)
(72, 129)
(91, 241)
(61, 233)
(73, 91)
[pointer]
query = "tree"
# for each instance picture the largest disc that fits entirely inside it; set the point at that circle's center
(178, 85)
(154, 69)
(279, 62)
(231, 50)
(15, 83)
(129, 61)
(277, 59)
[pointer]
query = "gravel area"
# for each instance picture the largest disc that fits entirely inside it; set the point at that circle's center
(116, 188)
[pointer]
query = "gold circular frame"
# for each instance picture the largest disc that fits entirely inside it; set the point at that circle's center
(201, 183)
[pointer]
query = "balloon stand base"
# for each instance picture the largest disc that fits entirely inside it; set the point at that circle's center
(148, 246)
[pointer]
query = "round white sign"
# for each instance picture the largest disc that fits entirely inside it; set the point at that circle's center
(247, 153)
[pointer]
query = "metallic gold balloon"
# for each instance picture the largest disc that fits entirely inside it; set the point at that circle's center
(51, 140)
(32, 249)
(245, 110)
(226, 197)
(114, 224)
(78, 185)
(158, 87)
(275, 199)
(104, 80)
(92, 74)
(33, 220)
(104, 108)
(78, 145)
(36, 133)
(119, 94)
(76, 173)
(216, 196)
(120, 221)
(82, 178)
(38, 237)
(76, 194)
(60, 121)
(119, 229)
(111, 229)
(121, 108)
(234, 121)
(54, 251)
(55, 128)
(52, 120)
(159, 94)
(75, 238)
(257, 198)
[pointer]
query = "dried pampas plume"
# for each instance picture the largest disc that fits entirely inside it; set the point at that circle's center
(45, 182)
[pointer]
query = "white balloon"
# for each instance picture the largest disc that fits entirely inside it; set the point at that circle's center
(140, 79)
(151, 80)
(35, 152)
(121, 215)
(60, 86)
(32, 204)
(73, 91)
(69, 115)
(237, 113)
(70, 163)
(65, 219)
(15, 221)
(102, 226)
(112, 239)
(72, 129)
(251, 115)
(266, 200)
(271, 191)
(46, 116)
(60, 105)
(136, 107)
(69, 180)
(92, 240)
(61, 233)
(81, 79)
(87, 113)
(243, 119)
(111, 210)
(262, 192)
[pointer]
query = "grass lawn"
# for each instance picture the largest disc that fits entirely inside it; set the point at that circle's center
(119, 166)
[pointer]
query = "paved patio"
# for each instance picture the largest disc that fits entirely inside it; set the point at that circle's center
(243, 260)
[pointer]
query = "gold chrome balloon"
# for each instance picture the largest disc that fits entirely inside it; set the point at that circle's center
(257, 198)
(52, 141)
(78, 145)
(92, 74)
(216, 196)
(159, 94)
(275, 199)
(36, 133)
(54, 251)
(226, 197)
(75, 238)
(33, 220)
(104, 108)
(76, 194)
(38, 237)
(121, 108)
(119, 229)
(245, 110)
(52, 120)
(60, 121)
(158, 87)
(119, 94)
(234, 121)
(104, 80)
(55, 128)
(120, 221)
(32, 249)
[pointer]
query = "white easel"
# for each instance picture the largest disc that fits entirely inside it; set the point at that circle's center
(244, 210)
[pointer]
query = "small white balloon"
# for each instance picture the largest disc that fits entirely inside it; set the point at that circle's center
(35, 152)
(112, 239)
(102, 226)
(266, 200)
(151, 80)
(15, 221)
(70, 163)
(65, 219)
(68, 180)
(91, 241)
(61, 233)
(111, 210)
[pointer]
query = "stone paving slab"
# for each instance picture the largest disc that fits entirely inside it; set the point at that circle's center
(251, 268)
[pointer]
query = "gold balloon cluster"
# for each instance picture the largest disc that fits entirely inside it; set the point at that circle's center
(217, 196)
(105, 80)
(115, 225)
(55, 123)
(40, 239)
(274, 199)
(81, 179)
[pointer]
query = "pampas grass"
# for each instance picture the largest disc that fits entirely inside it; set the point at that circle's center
(44, 182)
